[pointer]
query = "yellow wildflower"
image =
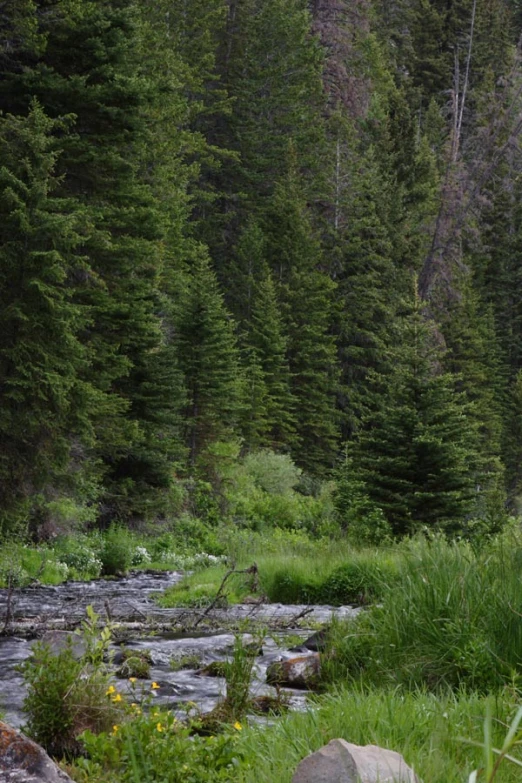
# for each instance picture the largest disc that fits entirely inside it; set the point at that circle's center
(159, 727)
(238, 726)
(115, 728)
(154, 686)
(117, 697)
(132, 679)
(110, 689)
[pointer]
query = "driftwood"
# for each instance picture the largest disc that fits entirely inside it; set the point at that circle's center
(252, 571)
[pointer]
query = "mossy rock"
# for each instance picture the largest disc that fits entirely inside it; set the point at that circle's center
(135, 666)
(185, 662)
(215, 669)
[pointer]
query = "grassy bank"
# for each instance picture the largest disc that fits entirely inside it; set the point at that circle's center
(294, 570)
(453, 618)
(115, 551)
(434, 734)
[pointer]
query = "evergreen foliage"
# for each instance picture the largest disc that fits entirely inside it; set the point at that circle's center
(210, 215)
(209, 359)
(43, 402)
(307, 300)
(416, 454)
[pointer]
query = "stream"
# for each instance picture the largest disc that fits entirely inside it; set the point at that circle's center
(167, 634)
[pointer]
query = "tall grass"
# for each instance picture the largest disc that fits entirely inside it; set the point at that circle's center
(453, 618)
(329, 575)
(440, 737)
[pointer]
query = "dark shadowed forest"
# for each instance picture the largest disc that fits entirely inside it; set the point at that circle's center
(232, 227)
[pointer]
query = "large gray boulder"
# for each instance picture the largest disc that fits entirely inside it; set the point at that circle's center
(23, 761)
(342, 762)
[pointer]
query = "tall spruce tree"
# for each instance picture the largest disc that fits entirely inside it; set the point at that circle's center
(415, 455)
(367, 284)
(43, 402)
(270, 66)
(93, 65)
(268, 343)
(307, 297)
(209, 359)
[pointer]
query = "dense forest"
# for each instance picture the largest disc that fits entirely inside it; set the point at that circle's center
(229, 227)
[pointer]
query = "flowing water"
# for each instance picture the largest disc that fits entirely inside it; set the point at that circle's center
(166, 634)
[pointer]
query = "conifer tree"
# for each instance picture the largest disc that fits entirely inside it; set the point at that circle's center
(270, 66)
(43, 402)
(93, 65)
(208, 357)
(307, 296)
(473, 355)
(268, 344)
(366, 289)
(416, 452)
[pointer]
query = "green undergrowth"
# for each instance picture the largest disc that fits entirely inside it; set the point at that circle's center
(440, 737)
(106, 554)
(332, 574)
(452, 619)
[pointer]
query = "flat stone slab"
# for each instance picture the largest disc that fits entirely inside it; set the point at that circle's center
(343, 762)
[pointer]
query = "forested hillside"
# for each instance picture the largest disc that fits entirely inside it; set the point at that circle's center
(229, 226)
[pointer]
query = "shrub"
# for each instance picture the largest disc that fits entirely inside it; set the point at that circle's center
(115, 554)
(271, 472)
(84, 562)
(359, 581)
(67, 693)
(154, 746)
(140, 556)
(363, 521)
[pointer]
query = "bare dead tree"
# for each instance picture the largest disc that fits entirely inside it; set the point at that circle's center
(463, 186)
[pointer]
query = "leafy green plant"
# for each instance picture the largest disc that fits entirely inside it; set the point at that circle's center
(115, 554)
(153, 745)
(68, 692)
(239, 677)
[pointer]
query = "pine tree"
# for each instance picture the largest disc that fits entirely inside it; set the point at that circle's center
(268, 343)
(94, 66)
(208, 357)
(473, 355)
(367, 284)
(416, 453)
(307, 296)
(270, 66)
(43, 402)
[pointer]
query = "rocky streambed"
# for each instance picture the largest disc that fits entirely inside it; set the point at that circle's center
(180, 642)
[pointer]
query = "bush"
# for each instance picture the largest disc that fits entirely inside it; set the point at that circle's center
(359, 581)
(155, 746)
(271, 472)
(115, 554)
(140, 556)
(68, 693)
(83, 562)
(363, 521)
